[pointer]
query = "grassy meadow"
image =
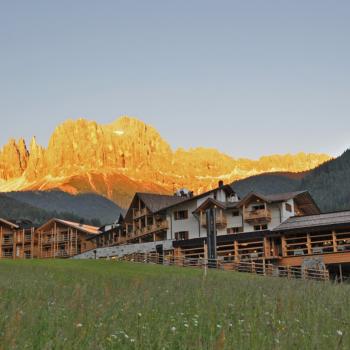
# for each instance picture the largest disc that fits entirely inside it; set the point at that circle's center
(66, 304)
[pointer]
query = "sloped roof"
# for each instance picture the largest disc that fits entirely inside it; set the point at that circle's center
(81, 227)
(8, 223)
(156, 202)
(310, 221)
(227, 188)
(271, 198)
(222, 205)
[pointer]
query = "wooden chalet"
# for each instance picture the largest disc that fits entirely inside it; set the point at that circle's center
(110, 235)
(62, 239)
(145, 220)
(18, 240)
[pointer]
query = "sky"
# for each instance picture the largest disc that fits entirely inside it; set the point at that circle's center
(249, 78)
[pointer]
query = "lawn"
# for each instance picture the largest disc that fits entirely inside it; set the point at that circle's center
(66, 304)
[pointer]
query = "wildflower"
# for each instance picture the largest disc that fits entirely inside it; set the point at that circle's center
(230, 325)
(339, 332)
(79, 325)
(218, 326)
(132, 340)
(173, 329)
(139, 314)
(186, 325)
(126, 336)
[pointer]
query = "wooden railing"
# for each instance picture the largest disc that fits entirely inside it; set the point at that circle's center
(220, 221)
(140, 213)
(163, 225)
(257, 215)
(7, 241)
(262, 268)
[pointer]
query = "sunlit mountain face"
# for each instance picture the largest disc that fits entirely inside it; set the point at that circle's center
(118, 159)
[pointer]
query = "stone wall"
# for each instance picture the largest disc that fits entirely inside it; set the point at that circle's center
(120, 251)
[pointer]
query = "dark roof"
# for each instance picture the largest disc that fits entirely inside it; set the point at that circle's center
(226, 188)
(223, 205)
(271, 198)
(157, 202)
(310, 221)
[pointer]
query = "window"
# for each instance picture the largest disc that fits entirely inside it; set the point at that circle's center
(235, 212)
(260, 227)
(181, 215)
(180, 236)
(288, 207)
(231, 230)
(258, 206)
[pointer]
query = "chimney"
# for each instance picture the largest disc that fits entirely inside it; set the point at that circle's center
(221, 183)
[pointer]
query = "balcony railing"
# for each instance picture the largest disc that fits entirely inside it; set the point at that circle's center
(259, 215)
(7, 241)
(139, 232)
(220, 221)
(7, 255)
(140, 213)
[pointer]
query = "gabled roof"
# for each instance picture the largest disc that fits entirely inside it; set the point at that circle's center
(8, 223)
(156, 202)
(81, 227)
(272, 198)
(314, 221)
(226, 188)
(153, 202)
(302, 198)
(213, 202)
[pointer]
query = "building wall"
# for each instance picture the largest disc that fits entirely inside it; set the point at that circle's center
(191, 224)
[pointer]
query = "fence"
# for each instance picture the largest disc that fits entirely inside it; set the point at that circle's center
(259, 268)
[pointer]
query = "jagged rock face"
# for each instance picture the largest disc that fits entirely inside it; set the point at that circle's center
(126, 145)
(13, 159)
(125, 156)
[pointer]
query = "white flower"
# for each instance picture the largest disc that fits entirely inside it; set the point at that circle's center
(218, 326)
(139, 314)
(126, 336)
(132, 340)
(186, 325)
(339, 332)
(79, 325)
(173, 329)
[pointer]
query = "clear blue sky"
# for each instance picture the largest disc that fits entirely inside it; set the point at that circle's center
(247, 77)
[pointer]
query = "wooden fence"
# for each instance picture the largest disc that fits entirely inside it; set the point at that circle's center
(259, 268)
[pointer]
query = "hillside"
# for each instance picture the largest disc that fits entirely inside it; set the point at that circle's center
(117, 159)
(88, 206)
(328, 183)
(12, 209)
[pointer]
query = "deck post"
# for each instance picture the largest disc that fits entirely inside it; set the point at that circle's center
(308, 244)
(283, 246)
(340, 273)
(334, 237)
(1, 238)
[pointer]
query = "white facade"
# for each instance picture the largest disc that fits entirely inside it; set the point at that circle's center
(192, 225)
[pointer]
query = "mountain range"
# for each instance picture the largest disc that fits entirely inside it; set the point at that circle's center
(118, 159)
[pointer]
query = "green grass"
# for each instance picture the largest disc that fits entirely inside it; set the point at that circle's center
(113, 305)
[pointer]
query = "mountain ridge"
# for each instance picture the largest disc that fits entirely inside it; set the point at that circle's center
(125, 156)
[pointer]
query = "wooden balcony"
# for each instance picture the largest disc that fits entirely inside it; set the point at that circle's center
(257, 216)
(150, 229)
(140, 213)
(7, 241)
(221, 221)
